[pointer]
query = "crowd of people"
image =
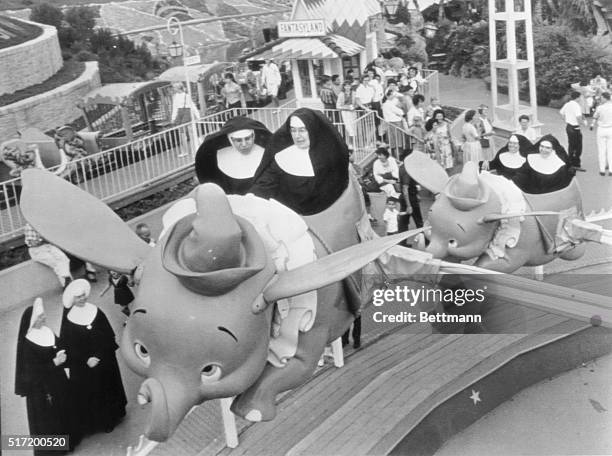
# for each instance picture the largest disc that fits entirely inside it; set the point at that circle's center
(304, 165)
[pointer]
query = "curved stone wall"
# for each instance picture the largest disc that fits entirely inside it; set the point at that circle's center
(31, 62)
(50, 109)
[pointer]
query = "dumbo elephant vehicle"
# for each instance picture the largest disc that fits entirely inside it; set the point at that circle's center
(486, 217)
(240, 296)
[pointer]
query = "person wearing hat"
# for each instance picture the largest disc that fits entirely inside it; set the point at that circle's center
(40, 377)
(510, 158)
(232, 156)
(94, 372)
(307, 164)
(546, 171)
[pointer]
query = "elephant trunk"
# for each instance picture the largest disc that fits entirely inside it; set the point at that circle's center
(168, 407)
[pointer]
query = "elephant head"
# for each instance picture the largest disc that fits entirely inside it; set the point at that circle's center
(458, 228)
(201, 321)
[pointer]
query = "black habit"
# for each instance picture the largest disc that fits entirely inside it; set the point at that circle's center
(206, 164)
(99, 390)
(530, 180)
(328, 154)
(45, 387)
(502, 165)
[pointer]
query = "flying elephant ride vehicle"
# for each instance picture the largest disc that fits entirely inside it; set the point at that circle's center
(124, 112)
(224, 308)
(35, 149)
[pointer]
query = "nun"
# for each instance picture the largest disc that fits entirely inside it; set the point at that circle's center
(546, 170)
(231, 157)
(41, 378)
(510, 158)
(94, 372)
(306, 164)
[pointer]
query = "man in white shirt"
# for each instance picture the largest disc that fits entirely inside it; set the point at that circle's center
(572, 114)
(271, 79)
(364, 94)
(525, 130)
(603, 117)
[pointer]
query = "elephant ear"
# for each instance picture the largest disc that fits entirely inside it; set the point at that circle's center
(426, 171)
(331, 268)
(79, 223)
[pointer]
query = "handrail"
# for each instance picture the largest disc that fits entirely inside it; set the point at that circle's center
(115, 173)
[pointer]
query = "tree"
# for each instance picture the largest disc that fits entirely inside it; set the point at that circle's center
(83, 20)
(47, 14)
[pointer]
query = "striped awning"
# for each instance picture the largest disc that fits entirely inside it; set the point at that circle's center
(325, 47)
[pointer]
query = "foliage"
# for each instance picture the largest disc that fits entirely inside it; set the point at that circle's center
(47, 14)
(563, 58)
(82, 20)
(575, 14)
(467, 50)
(119, 59)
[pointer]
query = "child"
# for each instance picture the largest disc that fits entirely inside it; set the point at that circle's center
(144, 232)
(123, 295)
(391, 215)
(418, 132)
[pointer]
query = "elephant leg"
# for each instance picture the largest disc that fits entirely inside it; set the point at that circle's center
(573, 253)
(258, 402)
(510, 263)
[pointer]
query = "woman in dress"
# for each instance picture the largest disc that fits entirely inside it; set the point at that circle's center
(232, 92)
(471, 148)
(485, 130)
(94, 373)
(41, 378)
(308, 164)
(510, 158)
(346, 105)
(546, 170)
(232, 156)
(439, 127)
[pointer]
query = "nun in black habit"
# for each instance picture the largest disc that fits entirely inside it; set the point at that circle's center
(232, 156)
(40, 377)
(94, 372)
(307, 166)
(547, 169)
(510, 158)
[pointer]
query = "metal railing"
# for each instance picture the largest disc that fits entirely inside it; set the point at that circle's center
(125, 170)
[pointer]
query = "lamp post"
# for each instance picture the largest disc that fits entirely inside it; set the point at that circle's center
(389, 7)
(174, 27)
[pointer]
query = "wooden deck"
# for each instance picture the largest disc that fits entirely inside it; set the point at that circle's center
(388, 387)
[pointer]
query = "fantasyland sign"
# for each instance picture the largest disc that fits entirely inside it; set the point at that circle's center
(287, 29)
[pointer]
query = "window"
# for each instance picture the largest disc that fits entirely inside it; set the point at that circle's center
(351, 63)
(304, 78)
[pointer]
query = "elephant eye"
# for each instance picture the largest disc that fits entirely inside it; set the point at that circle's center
(210, 373)
(142, 353)
(452, 243)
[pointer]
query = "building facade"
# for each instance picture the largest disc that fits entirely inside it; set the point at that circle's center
(327, 37)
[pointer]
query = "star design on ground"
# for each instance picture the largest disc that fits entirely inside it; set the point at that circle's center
(475, 397)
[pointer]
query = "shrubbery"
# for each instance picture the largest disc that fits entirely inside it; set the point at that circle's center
(119, 59)
(562, 56)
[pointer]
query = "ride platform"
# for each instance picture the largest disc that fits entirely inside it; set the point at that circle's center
(410, 388)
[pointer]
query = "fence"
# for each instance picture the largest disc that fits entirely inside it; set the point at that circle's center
(125, 170)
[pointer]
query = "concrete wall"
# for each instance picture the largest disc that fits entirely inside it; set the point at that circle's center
(41, 279)
(31, 62)
(50, 109)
